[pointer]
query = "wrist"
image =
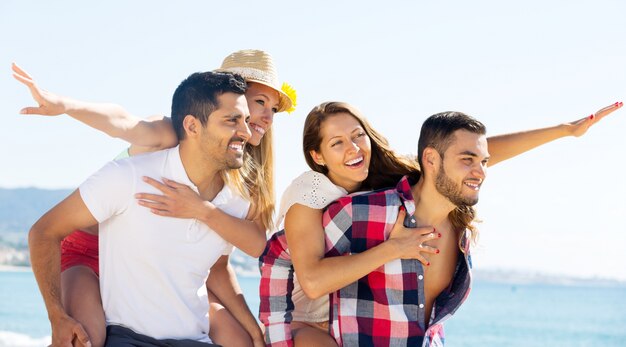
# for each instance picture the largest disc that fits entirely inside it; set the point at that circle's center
(208, 213)
(565, 129)
(56, 314)
(70, 105)
(391, 249)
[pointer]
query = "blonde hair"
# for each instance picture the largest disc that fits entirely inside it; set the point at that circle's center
(255, 179)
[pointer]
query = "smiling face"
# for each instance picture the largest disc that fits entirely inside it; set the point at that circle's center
(345, 150)
(462, 169)
(263, 103)
(223, 138)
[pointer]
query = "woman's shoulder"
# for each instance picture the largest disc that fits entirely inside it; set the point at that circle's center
(311, 189)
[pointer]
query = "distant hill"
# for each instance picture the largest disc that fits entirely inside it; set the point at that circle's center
(21, 207)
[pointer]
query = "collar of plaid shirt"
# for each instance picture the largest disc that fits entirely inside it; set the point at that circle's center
(386, 307)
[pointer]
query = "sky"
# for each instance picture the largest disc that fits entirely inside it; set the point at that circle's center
(513, 65)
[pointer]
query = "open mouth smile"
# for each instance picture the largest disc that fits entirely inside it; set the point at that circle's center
(355, 163)
(474, 185)
(257, 128)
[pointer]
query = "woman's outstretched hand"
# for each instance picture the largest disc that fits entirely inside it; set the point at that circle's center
(580, 127)
(49, 103)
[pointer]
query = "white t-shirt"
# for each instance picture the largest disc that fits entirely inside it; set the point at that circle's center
(152, 268)
(311, 189)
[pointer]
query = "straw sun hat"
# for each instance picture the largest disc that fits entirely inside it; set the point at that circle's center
(257, 66)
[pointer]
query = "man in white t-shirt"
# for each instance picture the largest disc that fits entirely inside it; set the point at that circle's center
(153, 268)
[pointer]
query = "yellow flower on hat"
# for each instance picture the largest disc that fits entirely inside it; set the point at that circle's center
(291, 93)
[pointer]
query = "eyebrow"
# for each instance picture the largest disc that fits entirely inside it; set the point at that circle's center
(358, 128)
(268, 98)
(231, 115)
(472, 154)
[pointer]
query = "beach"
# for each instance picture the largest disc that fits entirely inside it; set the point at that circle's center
(495, 314)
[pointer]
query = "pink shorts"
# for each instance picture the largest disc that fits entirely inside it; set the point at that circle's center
(80, 248)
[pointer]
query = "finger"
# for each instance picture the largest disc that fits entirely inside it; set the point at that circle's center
(163, 213)
(428, 230)
(174, 184)
(17, 69)
(153, 205)
(27, 81)
(428, 249)
(401, 216)
(156, 184)
(33, 110)
(608, 110)
(422, 259)
(152, 197)
(81, 335)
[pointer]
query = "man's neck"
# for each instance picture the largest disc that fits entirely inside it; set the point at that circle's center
(431, 208)
(202, 174)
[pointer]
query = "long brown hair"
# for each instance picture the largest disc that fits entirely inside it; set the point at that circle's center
(386, 166)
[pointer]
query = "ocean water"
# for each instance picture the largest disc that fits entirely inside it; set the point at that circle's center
(495, 314)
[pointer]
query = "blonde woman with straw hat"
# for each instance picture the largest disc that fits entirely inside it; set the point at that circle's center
(265, 96)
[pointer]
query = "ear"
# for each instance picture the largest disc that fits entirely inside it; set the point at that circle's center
(317, 158)
(430, 158)
(191, 125)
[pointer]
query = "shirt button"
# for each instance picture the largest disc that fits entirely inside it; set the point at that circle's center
(421, 305)
(420, 277)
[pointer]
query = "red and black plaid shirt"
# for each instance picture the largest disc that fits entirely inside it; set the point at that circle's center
(384, 308)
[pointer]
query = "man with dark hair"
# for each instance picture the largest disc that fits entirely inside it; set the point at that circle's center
(153, 269)
(404, 303)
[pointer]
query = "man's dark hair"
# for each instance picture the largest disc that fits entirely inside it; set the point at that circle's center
(197, 96)
(438, 129)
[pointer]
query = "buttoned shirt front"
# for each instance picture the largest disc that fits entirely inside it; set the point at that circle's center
(386, 307)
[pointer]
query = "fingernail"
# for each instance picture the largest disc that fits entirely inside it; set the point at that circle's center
(437, 252)
(428, 264)
(439, 234)
(22, 111)
(592, 116)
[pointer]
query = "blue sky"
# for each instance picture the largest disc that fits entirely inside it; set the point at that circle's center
(514, 66)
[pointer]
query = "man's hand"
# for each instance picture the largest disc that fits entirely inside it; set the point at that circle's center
(50, 104)
(66, 331)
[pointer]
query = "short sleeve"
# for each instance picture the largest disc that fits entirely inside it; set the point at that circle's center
(109, 191)
(311, 189)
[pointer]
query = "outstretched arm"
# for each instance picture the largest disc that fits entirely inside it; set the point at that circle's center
(111, 119)
(319, 276)
(44, 242)
(503, 147)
